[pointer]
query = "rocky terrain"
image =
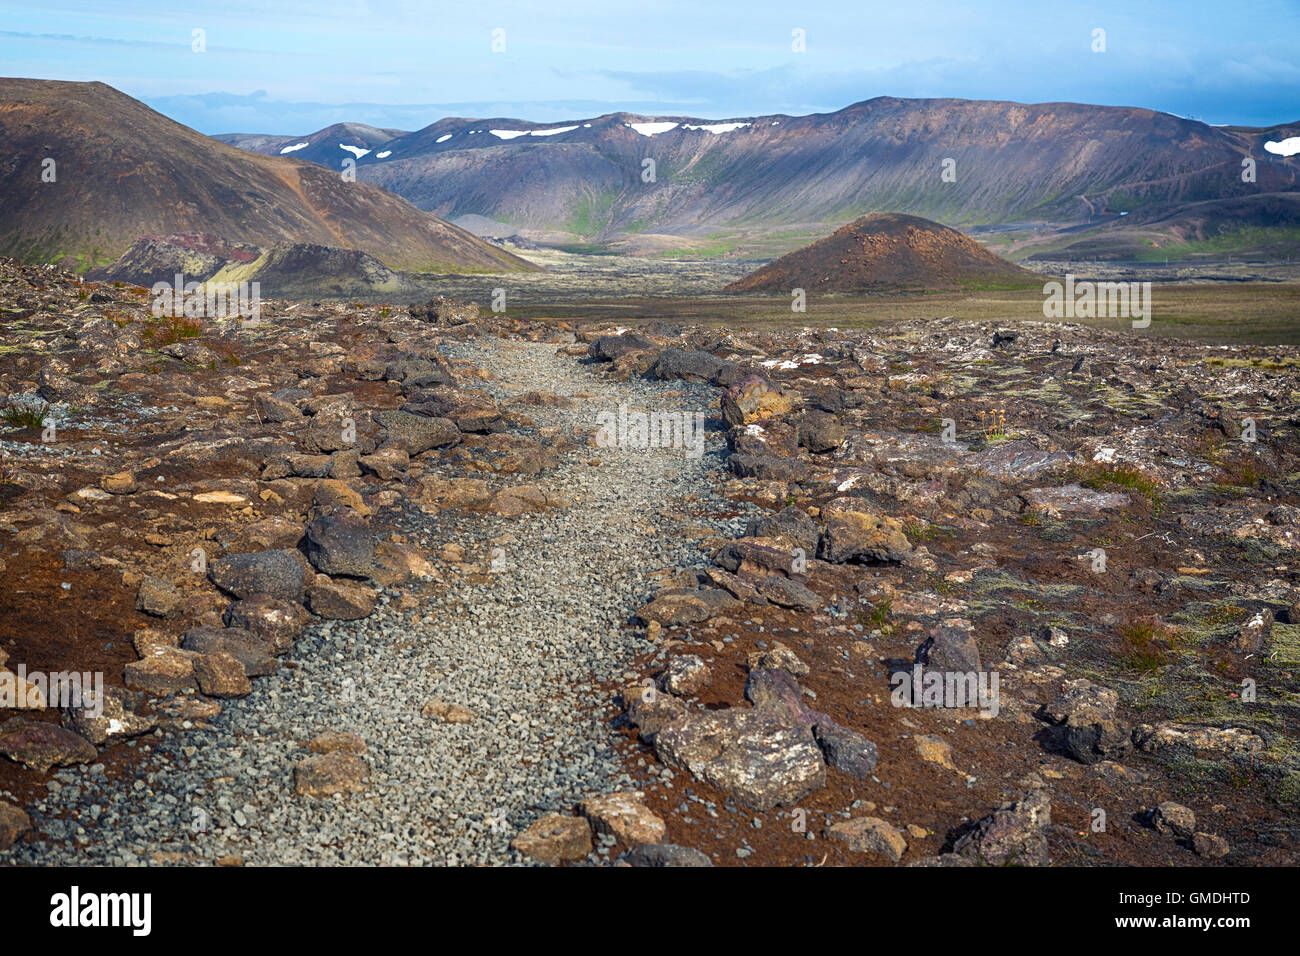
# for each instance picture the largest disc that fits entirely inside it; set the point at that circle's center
(390, 584)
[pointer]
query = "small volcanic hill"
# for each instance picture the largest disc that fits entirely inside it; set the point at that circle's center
(887, 252)
(122, 171)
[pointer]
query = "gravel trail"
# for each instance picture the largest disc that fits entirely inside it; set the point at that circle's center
(526, 650)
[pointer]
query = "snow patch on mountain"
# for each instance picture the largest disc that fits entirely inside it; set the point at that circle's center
(651, 129)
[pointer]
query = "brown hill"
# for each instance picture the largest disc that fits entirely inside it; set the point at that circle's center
(887, 252)
(123, 171)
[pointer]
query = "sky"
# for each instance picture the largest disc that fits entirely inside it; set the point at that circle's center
(292, 68)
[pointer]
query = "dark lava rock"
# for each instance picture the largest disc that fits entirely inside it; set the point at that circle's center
(664, 854)
(609, 347)
(693, 366)
(40, 745)
(441, 310)
(784, 592)
(416, 433)
(771, 439)
(767, 468)
(276, 573)
(950, 649)
(820, 431)
(773, 690)
(341, 543)
(1013, 835)
(846, 749)
(791, 524)
(274, 621)
(250, 650)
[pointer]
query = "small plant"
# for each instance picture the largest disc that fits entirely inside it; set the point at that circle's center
(925, 531)
(7, 473)
(1244, 470)
(1129, 477)
(385, 312)
(878, 618)
(1147, 644)
(29, 414)
(171, 329)
(226, 352)
(1209, 446)
(995, 424)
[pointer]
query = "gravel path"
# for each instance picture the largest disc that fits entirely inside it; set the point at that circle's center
(525, 651)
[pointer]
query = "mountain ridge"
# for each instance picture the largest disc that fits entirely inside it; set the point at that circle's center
(738, 179)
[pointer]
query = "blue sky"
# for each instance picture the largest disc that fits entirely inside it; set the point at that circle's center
(293, 67)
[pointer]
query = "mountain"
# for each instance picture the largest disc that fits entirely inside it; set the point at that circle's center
(761, 183)
(122, 171)
(887, 252)
(328, 147)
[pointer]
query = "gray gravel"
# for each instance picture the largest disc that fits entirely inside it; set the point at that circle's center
(526, 651)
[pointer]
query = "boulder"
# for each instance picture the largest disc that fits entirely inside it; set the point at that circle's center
(166, 671)
(341, 600)
(846, 750)
(1175, 819)
(820, 432)
(274, 621)
(341, 543)
(664, 854)
(253, 653)
(417, 433)
(41, 746)
(869, 835)
(330, 774)
(1013, 835)
(753, 399)
(951, 649)
(788, 593)
(671, 607)
(158, 597)
(761, 759)
(609, 347)
(863, 536)
(554, 838)
(276, 573)
(13, 824)
(791, 526)
(685, 676)
(116, 717)
(625, 817)
(220, 674)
